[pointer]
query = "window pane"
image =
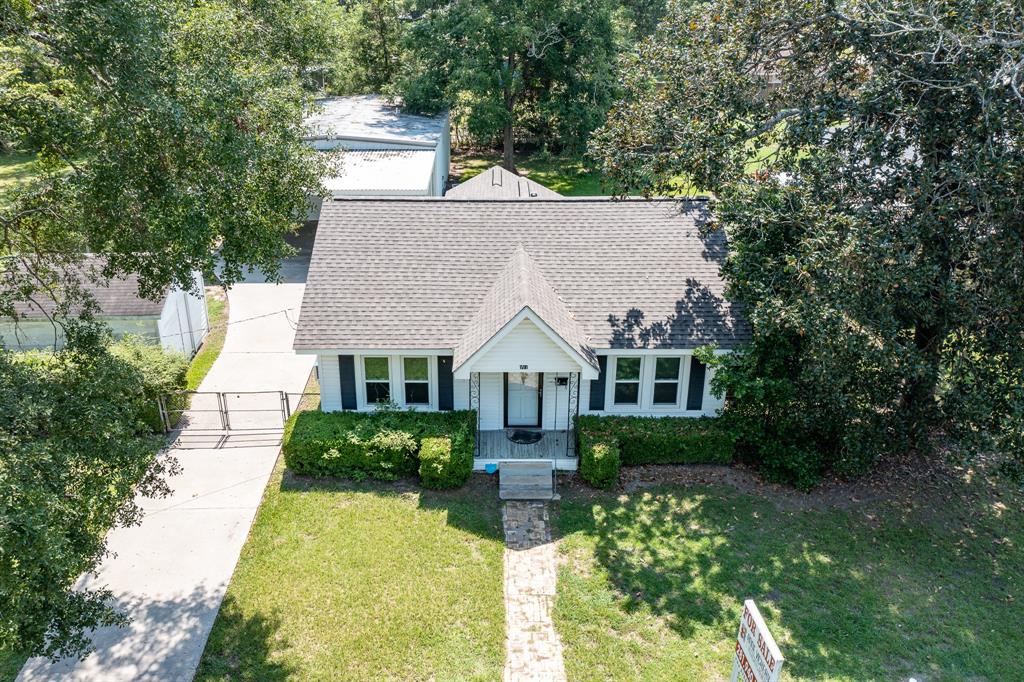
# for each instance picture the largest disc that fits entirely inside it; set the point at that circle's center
(627, 368)
(417, 394)
(376, 369)
(415, 369)
(378, 392)
(666, 368)
(627, 394)
(665, 393)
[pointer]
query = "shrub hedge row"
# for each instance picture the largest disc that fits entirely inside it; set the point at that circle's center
(659, 440)
(599, 461)
(386, 445)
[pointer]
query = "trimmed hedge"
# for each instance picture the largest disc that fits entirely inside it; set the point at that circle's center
(659, 440)
(599, 462)
(445, 462)
(383, 445)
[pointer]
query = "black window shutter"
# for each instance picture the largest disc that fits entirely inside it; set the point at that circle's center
(597, 385)
(695, 391)
(347, 370)
(445, 383)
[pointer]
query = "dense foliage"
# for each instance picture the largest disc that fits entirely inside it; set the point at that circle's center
(599, 461)
(163, 374)
(661, 440)
(446, 462)
(74, 449)
(868, 165)
(382, 444)
(540, 65)
(168, 137)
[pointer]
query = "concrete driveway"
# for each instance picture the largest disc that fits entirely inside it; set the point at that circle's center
(170, 573)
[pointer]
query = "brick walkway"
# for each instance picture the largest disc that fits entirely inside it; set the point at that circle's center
(533, 651)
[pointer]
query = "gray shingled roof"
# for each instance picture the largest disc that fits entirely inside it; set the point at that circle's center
(371, 117)
(519, 285)
(498, 183)
(116, 297)
(414, 273)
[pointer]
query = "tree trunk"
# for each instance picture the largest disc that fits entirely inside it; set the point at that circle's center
(508, 140)
(508, 148)
(919, 393)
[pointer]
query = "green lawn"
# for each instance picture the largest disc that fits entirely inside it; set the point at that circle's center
(654, 581)
(10, 664)
(571, 176)
(217, 312)
(15, 170)
(365, 581)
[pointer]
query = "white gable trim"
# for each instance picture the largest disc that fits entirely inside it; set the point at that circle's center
(587, 370)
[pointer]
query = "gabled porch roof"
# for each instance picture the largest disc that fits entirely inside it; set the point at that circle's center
(522, 292)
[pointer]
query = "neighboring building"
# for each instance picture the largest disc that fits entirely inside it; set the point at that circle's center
(498, 183)
(529, 311)
(387, 152)
(177, 320)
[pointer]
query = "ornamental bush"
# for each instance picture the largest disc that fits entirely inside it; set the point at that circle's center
(383, 445)
(445, 462)
(660, 440)
(599, 462)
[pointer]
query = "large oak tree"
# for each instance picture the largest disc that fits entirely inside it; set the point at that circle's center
(500, 61)
(168, 138)
(867, 163)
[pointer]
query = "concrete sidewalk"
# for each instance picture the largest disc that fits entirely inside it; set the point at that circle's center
(170, 573)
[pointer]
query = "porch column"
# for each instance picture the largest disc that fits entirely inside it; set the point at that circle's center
(474, 404)
(572, 411)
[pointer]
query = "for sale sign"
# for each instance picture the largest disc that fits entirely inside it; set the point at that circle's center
(757, 658)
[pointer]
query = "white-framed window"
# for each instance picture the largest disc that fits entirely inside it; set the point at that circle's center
(377, 380)
(627, 380)
(667, 380)
(416, 380)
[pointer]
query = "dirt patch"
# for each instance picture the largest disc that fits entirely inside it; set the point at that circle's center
(910, 480)
(216, 292)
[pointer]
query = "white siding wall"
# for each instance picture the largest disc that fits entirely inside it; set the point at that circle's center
(461, 388)
(492, 401)
(556, 403)
(525, 345)
(330, 382)
(35, 333)
(441, 163)
(183, 323)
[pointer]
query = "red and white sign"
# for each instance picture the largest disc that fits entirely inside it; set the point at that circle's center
(757, 658)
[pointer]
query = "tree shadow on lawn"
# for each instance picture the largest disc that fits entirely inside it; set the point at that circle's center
(843, 593)
(165, 640)
(474, 508)
(242, 647)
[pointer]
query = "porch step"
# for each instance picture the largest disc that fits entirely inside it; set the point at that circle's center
(526, 480)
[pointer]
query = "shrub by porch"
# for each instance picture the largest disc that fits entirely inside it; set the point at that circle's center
(384, 445)
(647, 440)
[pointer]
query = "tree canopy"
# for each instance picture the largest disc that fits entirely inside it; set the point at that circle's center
(867, 165)
(168, 136)
(545, 65)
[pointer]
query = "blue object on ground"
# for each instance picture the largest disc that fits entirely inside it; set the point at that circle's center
(490, 468)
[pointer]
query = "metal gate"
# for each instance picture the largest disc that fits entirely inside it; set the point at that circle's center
(206, 418)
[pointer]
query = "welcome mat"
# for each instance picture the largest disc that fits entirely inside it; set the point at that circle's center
(524, 437)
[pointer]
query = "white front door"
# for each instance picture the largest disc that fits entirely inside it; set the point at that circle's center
(522, 399)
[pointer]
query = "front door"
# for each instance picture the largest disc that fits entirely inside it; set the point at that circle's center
(522, 399)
